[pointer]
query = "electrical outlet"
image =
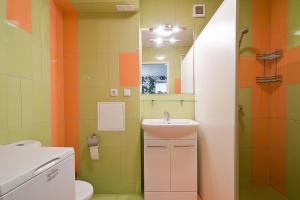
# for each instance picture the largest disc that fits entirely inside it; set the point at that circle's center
(114, 92)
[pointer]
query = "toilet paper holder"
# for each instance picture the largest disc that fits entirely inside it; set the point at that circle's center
(93, 145)
(92, 140)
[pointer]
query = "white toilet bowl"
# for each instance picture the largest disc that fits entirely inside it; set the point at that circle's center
(83, 190)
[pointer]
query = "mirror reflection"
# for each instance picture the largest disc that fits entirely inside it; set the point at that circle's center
(167, 60)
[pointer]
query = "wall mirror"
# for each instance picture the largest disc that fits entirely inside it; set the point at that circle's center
(167, 60)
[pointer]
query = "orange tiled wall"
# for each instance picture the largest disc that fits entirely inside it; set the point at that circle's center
(64, 76)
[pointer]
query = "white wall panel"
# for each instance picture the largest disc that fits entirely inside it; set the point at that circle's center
(215, 93)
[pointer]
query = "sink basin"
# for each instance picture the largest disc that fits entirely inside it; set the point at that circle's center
(175, 128)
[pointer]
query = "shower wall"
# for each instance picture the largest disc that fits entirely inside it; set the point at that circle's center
(270, 117)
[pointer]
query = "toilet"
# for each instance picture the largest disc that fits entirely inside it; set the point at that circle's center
(83, 190)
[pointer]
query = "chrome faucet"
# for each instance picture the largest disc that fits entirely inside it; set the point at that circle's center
(167, 116)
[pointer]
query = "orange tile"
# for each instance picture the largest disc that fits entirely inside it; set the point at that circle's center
(19, 13)
(57, 77)
(64, 76)
(129, 69)
(261, 25)
(261, 166)
(177, 86)
(260, 135)
(270, 29)
(279, 24)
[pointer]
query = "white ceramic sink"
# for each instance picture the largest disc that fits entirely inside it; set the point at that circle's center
(175, 128)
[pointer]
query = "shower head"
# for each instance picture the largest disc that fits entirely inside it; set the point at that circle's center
(244, 31)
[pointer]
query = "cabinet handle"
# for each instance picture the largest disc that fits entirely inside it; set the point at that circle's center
(178, 146)
(157, 146)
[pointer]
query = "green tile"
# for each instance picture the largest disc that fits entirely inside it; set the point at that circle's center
(27, 102)
(293, 159)
(3, 102)
(261, 193)
(245, 167)
(41, 102)
(24, 57)
(3, 56)
(4, 136)
(170, 103)
(89, 96)
(14, 108)
(19, 53)
(93, 69)
(245, 20)
(245, 118)
(3, 10)
(293, 23)
(293, 99)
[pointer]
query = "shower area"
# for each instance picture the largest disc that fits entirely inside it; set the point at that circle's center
(269, 100)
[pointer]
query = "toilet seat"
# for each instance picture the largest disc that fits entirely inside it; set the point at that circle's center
(83, 190)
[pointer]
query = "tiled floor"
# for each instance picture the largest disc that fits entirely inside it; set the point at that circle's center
(260, 193)
(117, 197)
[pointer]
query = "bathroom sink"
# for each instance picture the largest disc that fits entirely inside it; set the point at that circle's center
(174, 128)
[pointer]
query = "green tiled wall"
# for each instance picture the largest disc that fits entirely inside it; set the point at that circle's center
(170, 103)
(25, 78)
(293, 142)
(293, 23)
(101, 39)
(245, 136)
(245, 20)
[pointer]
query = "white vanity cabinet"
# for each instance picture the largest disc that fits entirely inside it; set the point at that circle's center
(170, 165)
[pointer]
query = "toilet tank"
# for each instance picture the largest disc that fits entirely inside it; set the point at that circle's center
(28, 143)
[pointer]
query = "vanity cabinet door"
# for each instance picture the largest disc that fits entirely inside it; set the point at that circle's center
(184, 165)
(157, 165)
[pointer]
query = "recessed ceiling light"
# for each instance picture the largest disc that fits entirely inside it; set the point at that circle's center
(176, 29)
(163, 31)
(297, 33)
(158, 40)
(173, 40)
(160, 58)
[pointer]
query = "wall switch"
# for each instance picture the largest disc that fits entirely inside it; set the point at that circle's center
(114, 92)
(127, 92)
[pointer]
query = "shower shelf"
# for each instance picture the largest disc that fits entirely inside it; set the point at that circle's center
(269, 79)
(269, 57)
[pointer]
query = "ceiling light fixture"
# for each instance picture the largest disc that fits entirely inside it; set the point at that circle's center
(176, 29)
(158, 40)
(166, 30)
(163, 31)
(160, 58)
(173, 40)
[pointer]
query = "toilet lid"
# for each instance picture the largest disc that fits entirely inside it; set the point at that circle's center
(84, 190)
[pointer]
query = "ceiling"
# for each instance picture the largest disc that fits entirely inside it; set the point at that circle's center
(101, 6)
(185, 37)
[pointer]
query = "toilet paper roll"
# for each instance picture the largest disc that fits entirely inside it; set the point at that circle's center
(94, 153)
